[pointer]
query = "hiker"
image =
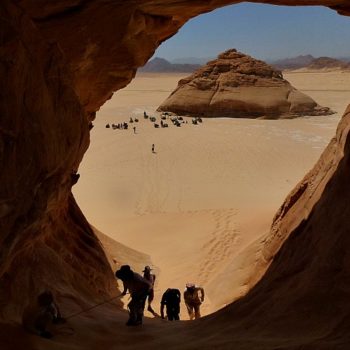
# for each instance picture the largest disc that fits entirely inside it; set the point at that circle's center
(36, 318)
(151, 278)
(134, 129)
(139, 288)
(153, 148)
(193, 301)
(171, 299)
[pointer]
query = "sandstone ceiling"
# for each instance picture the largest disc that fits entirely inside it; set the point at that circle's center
(59, 62)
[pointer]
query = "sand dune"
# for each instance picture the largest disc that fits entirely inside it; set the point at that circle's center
(201, 205)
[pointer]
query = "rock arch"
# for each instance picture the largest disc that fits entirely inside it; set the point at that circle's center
(59, 62)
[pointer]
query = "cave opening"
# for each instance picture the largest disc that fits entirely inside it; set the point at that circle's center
(60, 63)
(219, 183)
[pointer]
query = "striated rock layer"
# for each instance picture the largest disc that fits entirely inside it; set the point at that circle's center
(45, 240)
(237, 85)
(59, 62)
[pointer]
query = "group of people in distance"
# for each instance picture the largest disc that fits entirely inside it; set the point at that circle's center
(142, 288)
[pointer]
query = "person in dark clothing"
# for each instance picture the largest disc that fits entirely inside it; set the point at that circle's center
(139, 289)
(152, 279)
(38, 317)
(171, 299)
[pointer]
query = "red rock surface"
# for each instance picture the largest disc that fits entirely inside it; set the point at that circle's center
(236, 85)
(59, 62)
(44, 133)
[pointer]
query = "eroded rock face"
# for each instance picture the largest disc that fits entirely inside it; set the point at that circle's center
(236, 85)
(45, 239)
(59, 62)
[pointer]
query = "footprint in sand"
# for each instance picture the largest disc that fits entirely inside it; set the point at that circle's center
(221, 245)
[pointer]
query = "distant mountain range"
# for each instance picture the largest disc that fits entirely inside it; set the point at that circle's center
(161, 65)
(293, 63)
(308, 62)
(312, 63)
(192, 60)
(328, 63)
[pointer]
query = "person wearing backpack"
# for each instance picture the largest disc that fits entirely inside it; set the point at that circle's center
(38, 317)
(139, 289)
(193, 301)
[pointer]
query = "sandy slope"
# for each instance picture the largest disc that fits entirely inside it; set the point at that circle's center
(201, 205)
(199, 208)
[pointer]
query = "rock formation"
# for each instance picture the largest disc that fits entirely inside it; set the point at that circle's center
(59, 62)
(237, 85)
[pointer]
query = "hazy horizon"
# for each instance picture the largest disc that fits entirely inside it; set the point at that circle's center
(266, 32)
(203, 60)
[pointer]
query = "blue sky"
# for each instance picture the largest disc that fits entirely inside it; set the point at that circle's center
(263, 31)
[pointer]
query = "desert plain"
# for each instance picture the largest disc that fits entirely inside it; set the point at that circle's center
(199, 208)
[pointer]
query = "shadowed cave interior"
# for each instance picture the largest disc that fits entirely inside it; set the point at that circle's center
(57, 70)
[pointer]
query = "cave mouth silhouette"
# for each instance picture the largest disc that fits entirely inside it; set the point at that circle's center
(47, 238)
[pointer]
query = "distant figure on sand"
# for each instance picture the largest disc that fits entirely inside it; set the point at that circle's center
(193, 301)
(171, 299)
(151, 278)
(38, 317)
(134, 129)
(153, 148)
(139, 289)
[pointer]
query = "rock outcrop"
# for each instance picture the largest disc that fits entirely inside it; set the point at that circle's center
(237, 85)
(59, 62)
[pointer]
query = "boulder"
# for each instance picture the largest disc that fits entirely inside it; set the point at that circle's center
(239, 86)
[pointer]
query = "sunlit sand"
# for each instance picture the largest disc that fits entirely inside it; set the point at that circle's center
(201, 204)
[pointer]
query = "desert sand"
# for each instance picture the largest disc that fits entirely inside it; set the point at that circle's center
(199, 207)
(197, 210)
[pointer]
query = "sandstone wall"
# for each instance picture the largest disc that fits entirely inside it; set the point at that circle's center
(59, 62)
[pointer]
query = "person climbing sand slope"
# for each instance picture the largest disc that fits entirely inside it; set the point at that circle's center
(151, 278)
(192, 300)
(171, 300)
(139, 289)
